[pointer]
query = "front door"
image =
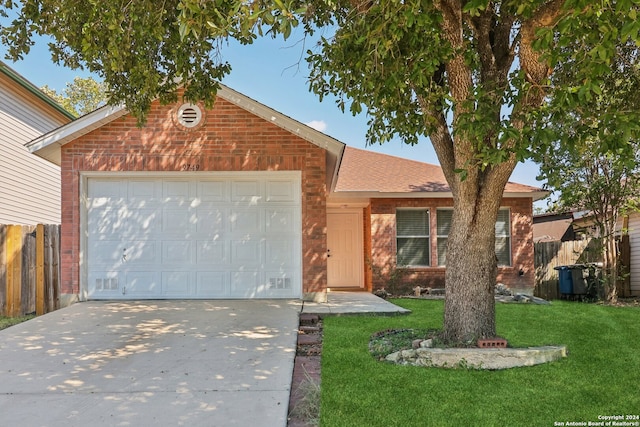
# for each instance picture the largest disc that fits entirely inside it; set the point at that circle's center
(345, 262)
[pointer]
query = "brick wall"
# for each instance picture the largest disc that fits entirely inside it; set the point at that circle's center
(228, 139)
(520, 275)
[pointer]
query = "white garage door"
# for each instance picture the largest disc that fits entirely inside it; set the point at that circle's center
(211, 236)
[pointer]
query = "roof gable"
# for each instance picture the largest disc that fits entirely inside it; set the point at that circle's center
(48, 145)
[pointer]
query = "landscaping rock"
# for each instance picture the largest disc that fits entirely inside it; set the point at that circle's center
(426, 343)
(478, 358)
(381, 293)
(502, 289)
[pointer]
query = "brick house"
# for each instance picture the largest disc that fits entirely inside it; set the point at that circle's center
(240, 201)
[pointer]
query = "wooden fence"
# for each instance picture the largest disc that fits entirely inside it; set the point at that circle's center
(29, 269)
(548, 255)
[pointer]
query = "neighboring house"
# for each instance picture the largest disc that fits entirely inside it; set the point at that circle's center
(629, 224)
(240, 201)
(553, 227)
(632, 225)
(29, 185)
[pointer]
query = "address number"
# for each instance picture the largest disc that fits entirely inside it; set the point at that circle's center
(190, 167)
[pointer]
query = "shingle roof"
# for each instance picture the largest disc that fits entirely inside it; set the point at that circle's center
(366, 171)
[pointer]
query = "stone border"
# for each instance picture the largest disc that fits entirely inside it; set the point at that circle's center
(478, 358)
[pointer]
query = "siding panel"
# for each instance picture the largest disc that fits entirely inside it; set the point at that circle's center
(29, 185)
(634, 242)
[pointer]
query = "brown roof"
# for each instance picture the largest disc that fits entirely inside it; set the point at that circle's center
(367, 171)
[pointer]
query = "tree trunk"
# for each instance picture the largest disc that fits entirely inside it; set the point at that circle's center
(471, 271)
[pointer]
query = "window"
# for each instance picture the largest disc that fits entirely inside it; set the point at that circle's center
(412, 233)
(443, 218)
(503, 235)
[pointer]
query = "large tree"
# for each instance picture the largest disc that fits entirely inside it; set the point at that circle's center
(471, 75)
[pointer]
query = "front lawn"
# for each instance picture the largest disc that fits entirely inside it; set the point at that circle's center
(601, 376)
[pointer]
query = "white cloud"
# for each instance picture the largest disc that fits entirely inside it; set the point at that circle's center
(318, 125)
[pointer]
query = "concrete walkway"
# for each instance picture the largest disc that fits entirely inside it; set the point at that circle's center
(151, 363)
(349, 303)
(160, 363)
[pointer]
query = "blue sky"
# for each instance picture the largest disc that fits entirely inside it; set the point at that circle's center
(274, 73)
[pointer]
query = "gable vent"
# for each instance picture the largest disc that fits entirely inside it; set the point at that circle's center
(189, 115)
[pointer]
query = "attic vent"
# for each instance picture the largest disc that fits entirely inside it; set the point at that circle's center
(189, 115)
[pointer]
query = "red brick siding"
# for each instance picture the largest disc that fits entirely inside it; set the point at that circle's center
(230, 139)
(383, 245)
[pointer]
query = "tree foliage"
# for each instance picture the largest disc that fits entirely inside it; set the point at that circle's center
(474, 76)
(593, 161)
(81, 96)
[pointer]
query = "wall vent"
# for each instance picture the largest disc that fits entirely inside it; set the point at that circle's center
(280, 283)
(189, 115)
(107, 284)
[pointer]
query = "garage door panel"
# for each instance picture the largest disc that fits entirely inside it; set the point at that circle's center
(281, 191)
(106, 252)
(225, 235)
(245, 221)
(123, 222)
(176, 191)
(212, 252)
(142, 190)
(279, 252)
(245, 252)
(107, 190)
(281, 220)
(245, 284)
(141, 252)
(211, 221)
(179, 221)
(212, 191)
(212, 283)
(246, 191)
(177, 252)
(176, 283)
(142, 283)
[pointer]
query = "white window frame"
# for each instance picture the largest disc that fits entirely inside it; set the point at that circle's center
(506, 235)
(441, 236)
(426, 237)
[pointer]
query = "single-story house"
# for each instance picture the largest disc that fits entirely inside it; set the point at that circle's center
(29, 185)
(241, 201)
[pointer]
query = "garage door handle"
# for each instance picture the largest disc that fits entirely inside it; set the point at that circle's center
(328, 253)
(124, 255)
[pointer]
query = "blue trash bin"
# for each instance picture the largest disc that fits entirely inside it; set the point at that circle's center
(565, 279)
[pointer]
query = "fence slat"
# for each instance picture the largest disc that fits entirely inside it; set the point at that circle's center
(29, 269)
(40, 270)
(3, 270)
(14, 267)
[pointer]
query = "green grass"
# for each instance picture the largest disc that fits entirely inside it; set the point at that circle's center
(5, 322)
(600, 376)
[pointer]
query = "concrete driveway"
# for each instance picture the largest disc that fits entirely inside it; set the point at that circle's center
(160, 363)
